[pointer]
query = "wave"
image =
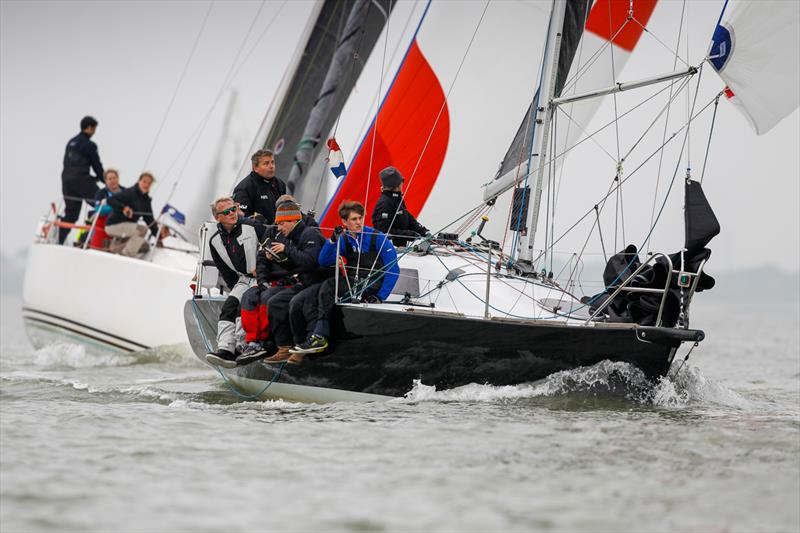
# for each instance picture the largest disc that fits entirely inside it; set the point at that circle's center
(67, 355)
(607, 379)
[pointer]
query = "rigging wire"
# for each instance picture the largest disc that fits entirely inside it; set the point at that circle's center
(226, 82)
(178, 85)
(635, 170)
(435, 122)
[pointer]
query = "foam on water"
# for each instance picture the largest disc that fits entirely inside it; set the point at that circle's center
(687, 388)
(68, 355)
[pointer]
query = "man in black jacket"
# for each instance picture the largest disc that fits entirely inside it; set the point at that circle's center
(259, 190)
(77, 184)
(286, 268)
(130, 205)
(391, 216)
(233, 248)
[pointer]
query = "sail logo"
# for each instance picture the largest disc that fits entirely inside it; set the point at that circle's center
(721, 47)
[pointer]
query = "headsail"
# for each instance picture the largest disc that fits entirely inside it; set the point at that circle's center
(755, 51)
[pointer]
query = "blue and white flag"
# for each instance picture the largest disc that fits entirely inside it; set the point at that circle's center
(336, 159)
(179, 217)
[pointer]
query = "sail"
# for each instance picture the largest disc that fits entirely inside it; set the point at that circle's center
(465, 71)
(755, 51)
(316, 92)
(586, 62)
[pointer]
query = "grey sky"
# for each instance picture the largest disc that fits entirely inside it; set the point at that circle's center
(125, 68)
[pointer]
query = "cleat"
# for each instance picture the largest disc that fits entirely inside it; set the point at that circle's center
(314, 344)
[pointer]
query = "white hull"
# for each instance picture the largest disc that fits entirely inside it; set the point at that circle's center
(106, 300)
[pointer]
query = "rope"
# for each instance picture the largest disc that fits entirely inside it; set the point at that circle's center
(231, 386)
(696, 344)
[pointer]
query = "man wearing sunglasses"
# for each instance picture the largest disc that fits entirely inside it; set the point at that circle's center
(233, 249)
(258, 192)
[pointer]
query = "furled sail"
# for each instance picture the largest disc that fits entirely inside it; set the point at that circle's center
(755, 51)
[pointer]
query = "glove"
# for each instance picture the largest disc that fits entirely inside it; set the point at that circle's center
(337, 231)
(371, 299)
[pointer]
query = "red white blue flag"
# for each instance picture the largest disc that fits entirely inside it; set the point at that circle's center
(336, 159)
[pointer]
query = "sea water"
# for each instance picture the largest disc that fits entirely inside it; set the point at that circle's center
(155, 441)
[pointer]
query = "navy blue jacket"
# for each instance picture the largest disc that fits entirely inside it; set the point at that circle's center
(79, 155)
(137, 200)
(256, 194)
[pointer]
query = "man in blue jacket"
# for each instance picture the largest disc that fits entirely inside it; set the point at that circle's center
(370, 261)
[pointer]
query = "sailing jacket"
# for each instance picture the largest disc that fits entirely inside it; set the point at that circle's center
(256, 194)
(303, 245)
(105, 194)
(402, 227)
(234, 253)
(376, 249)
(138, 201)
(79, 155)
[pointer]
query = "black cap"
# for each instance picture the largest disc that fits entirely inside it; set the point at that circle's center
(391, 178)
(87, 122)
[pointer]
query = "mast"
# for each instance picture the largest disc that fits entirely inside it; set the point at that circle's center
(543, 117)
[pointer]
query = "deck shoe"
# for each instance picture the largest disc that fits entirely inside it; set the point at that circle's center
(281, 356)
(314, 344)
(297, 359)
(222, 358)
(252, 352)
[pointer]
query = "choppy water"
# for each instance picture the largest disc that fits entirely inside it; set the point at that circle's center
(154, 441)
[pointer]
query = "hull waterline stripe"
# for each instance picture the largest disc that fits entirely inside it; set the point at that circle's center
(96, 330)
(80, 333)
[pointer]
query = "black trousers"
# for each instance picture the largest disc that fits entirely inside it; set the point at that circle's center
(76, 190)
(278, 312)
(303, 312)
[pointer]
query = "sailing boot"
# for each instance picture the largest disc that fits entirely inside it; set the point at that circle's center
(281, 356)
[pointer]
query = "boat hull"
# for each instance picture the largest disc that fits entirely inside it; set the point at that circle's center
(383, 349)
(102, 300)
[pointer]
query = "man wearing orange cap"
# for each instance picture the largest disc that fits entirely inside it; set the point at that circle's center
(286, 265)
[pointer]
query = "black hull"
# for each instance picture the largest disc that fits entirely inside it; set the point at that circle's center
(384, 349)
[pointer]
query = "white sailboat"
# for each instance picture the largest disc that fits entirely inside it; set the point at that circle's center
(128, 304)
(469, 309)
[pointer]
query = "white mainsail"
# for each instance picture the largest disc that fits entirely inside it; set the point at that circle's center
(754, 50)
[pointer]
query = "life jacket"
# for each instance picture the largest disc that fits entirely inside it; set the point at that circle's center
(359, 266)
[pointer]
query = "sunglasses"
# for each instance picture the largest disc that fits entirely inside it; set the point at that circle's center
(228, 211)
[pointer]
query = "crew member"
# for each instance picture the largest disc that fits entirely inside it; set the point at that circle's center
(372, 271)
(103, 208)
(285, 270)
(233, 248)
(77, 184)
(129, 206)
(259, 190)
(391, 215)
